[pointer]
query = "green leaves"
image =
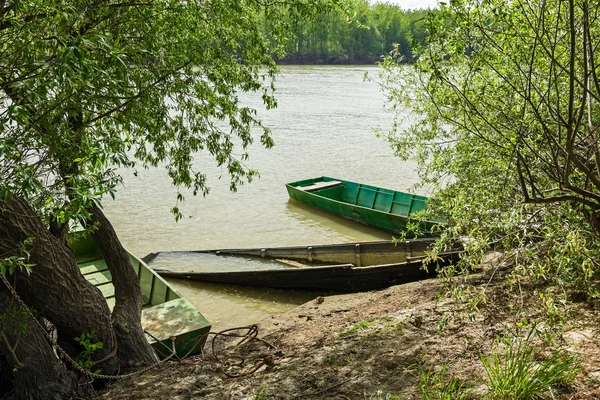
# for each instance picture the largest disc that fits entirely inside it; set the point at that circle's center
(499, 100)
(19, 262)
(360, 33)
(518, 373)
(90, 346)
(90, 88)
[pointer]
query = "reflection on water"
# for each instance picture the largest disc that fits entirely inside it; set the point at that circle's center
(314, 218)
(322, 126)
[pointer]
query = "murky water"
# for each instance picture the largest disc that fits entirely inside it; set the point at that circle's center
(210, 262)
(323, 126)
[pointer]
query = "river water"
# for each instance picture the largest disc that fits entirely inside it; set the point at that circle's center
(323, 126)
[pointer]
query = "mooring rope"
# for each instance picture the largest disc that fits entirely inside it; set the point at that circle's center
(250, 335)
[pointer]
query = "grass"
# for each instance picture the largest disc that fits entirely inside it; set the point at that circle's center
(516, 373)
(391, 324)
(387, 396)
(263, 393)
(437, 386)
(355, 328)
(335, 361)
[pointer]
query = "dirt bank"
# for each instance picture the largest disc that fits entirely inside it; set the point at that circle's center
(375, 345)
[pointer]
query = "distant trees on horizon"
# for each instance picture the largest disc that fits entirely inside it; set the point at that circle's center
(364, 34)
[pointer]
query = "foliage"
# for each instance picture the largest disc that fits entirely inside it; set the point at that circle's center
(90, 89)
(436, 385)
(503, 121)
(362, 33)
(388, 396)
(86, 88)
(263, 393)
(334, 360)
(90, 345)
(517, 373)
(20, 262)
(17, 313)
(13, 324)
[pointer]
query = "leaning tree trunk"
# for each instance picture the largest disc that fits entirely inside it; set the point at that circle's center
(36, 371)
(134, 349)
(55, 286)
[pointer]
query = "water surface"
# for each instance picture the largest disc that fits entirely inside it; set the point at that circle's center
(323, 126)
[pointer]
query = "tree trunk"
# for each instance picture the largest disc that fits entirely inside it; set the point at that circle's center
(36, 371)
(55, 286)
(134, 349)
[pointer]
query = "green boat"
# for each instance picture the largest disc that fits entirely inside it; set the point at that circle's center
(165, 314)
(381, 208)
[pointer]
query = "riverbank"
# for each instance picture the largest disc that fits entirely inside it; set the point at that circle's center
(381, 345)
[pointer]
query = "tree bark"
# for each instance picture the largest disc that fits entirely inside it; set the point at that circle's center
(55, 286)
(36, 371)
(134, 349)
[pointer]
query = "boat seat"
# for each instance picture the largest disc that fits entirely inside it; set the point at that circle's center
(320, 185)
(175, 318)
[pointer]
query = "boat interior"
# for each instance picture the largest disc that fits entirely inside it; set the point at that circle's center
(371, 197)
(165, 314)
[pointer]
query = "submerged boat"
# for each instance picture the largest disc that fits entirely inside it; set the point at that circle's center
(165, 314)
(348, 267)
(358, 253)
(381, 208)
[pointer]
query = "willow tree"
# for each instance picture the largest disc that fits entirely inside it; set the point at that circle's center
(86, 88)
(506, 101)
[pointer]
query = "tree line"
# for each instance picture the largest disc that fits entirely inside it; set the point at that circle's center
(360, 34)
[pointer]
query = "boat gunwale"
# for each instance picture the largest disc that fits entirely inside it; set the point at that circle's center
(194, 325)
(351, 245)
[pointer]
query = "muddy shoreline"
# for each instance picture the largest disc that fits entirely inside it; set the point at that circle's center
(372, 345)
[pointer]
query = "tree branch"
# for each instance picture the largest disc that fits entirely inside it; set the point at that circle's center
(562, 199)
(132, 4)
(11, 351)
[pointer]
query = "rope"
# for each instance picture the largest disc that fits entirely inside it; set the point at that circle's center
(67, 357)
(250, 335)
(159, 342)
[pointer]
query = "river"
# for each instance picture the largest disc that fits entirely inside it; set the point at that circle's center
(323, 126)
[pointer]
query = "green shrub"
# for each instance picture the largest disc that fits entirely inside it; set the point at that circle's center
(516, 373)
(90, 346)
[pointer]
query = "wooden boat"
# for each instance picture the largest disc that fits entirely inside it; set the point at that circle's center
(341, 267)
(165, 313)
(358, 253)
(381, 208)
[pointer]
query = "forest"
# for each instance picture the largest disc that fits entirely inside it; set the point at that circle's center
(363, 33)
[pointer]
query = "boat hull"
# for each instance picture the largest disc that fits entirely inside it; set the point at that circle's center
(336, 278)
(347, 267)
(358, 253)
(380, 208)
